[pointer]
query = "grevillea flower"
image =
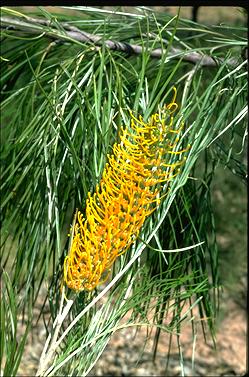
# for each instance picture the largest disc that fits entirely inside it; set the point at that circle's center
(127, 194)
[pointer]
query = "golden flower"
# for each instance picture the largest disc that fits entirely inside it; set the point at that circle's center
(127, 194)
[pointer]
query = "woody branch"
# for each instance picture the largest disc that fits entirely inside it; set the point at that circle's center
(39, 26)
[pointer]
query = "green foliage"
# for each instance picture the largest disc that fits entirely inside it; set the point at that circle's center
(63, 103)
(12, 346)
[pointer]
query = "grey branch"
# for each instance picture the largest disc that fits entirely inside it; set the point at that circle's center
(39, 26)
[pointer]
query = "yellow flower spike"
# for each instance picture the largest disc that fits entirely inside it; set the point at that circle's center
(129, 191)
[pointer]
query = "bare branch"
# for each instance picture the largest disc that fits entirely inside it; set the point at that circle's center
(36, 26)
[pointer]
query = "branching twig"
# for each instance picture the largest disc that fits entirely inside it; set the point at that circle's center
(47, 356)
(37, 26)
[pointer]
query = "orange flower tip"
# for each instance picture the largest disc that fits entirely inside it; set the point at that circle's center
(126, 195)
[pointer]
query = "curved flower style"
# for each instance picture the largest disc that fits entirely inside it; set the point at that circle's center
(127, 194)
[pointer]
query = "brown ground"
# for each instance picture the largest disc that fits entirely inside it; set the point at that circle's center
(122, 353)
(120, 357)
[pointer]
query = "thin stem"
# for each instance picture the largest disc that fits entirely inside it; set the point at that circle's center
(47, 356)
(36, 26)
